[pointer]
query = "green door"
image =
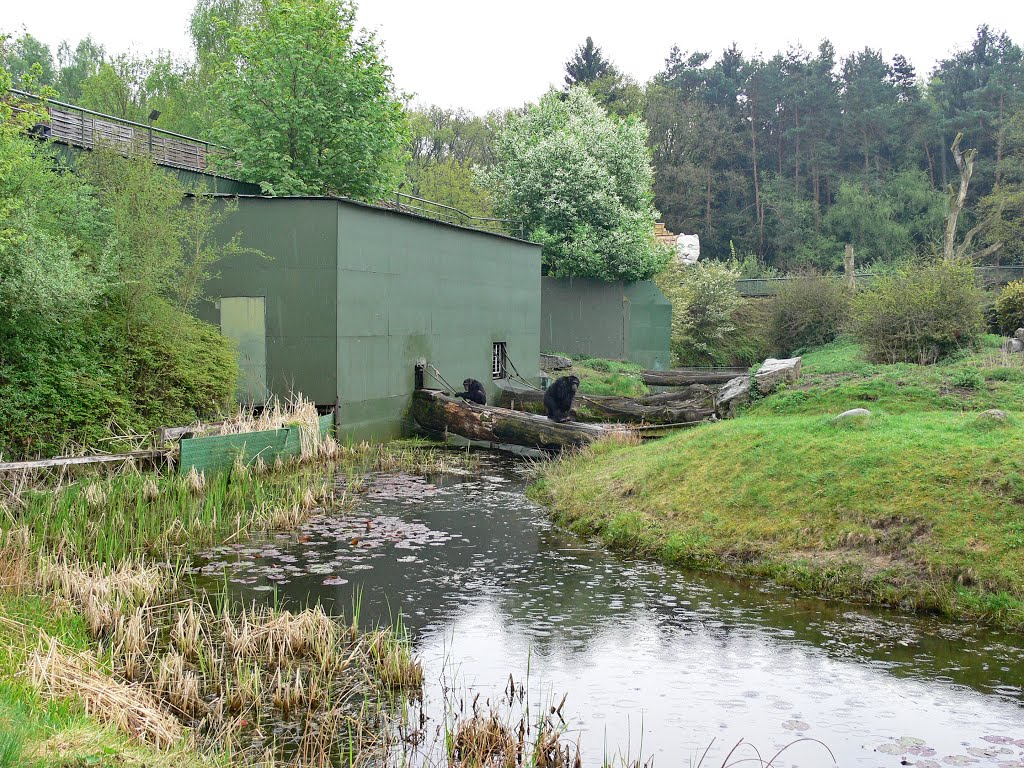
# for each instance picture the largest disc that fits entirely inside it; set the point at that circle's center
(243, 318)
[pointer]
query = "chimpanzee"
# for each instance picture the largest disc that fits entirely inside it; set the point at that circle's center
(558, 398)
(474, 391)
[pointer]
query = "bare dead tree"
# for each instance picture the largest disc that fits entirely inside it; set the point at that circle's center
(950, 250)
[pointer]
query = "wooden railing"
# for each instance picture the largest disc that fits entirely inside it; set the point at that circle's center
(84, 128)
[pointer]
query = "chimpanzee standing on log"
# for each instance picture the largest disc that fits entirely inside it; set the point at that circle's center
(558, 398)
(474, 391)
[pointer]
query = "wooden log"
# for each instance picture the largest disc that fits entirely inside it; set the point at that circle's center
(67, 461)
(682, 377)
(667, 408)
(437, 412)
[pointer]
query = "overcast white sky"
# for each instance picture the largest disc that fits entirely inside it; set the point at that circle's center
(481, 54)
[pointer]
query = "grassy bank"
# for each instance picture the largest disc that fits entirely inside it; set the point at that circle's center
(920, 507)
(109, 657)
(606, 377)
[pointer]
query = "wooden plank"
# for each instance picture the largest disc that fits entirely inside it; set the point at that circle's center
(68, 461)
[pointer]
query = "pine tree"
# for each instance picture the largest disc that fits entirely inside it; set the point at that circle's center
(587, 65)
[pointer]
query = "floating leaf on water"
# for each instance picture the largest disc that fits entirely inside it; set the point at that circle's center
(920, 751)
(334, 581)
(927, 764)
(889, 749)
(795, 725)
(910, 741)
(959, 760)
(409, 559)
(981, 752)
(999, 740)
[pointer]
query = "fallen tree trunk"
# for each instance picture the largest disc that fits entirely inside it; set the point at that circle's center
(682, 377)
(436, 412)
(69, 461)
(666, 408)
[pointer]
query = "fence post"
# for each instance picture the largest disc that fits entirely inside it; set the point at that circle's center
(848, 268)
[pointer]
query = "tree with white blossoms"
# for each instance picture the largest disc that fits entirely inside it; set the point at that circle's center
(581, 182)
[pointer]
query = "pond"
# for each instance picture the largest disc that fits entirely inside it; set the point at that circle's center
(656, 663)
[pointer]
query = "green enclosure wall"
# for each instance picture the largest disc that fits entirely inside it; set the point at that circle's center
(411, 289)
(355, 295)
(297, 276)
(621, 321)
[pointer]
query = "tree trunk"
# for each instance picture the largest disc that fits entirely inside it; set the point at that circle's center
(682, 377)
(436, 412)
(849, 268)
(965, 164)
(691, 405)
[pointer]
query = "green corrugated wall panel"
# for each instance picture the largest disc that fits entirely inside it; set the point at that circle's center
(650, 325)
(298, 277)
(625, 321)
(446, 294)
(218, 453)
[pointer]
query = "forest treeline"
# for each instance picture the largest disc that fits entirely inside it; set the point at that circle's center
(785, 158)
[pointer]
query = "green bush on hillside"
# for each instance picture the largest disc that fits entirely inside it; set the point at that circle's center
(808, 312)
(703, 297)
(1009, 307)
(919, 315)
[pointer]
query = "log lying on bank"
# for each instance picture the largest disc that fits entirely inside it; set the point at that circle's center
(681, 377)
(436, 412)
(690, 405)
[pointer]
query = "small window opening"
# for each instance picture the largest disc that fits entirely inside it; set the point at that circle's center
(498, 359)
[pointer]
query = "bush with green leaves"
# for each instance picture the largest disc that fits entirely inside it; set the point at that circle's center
(581, 182)
(703, 297)
(1009, 307)
(808, 311)
(920, 314)
(96, 273)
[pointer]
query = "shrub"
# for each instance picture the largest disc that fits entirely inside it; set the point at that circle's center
(703, 298)
(1009, 307)
(920, 315)
(808, 312)
(968, 378)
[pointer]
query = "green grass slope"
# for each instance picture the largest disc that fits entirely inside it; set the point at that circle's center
(922, 506)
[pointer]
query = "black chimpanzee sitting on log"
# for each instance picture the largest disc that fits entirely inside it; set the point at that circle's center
(474, 391)
(558, 398)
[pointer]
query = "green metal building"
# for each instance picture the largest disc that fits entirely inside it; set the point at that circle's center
(616, 320)
(348, 298)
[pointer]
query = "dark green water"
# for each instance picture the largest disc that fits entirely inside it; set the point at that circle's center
(656, 662)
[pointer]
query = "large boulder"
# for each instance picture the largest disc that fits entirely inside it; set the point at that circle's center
(774, 372)
(731, 396)
(554, 362)
(1013, 345)
(854, 415)
(1019, 334)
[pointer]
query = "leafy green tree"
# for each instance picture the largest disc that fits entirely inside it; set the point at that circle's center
(704, 298)
(581, 182)
(29, 60)
(587, 65)
(308, 106)
(75, 66)
(118, 88)
(1002, 210)
(451, 183)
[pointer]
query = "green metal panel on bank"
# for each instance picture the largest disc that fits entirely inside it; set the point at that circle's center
(218, 453)
(615, 320)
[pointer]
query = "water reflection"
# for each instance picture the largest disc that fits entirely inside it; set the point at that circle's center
(652, 658)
